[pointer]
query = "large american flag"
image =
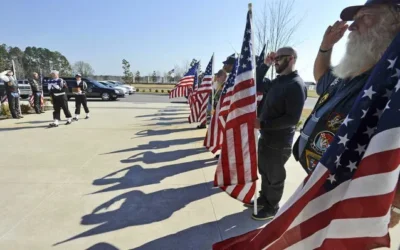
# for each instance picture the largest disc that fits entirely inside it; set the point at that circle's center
(346, 202)
(214, 134)
(200, 96)
(185, 85)
(236, 172)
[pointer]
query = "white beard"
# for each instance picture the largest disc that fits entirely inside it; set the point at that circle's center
(363, 51)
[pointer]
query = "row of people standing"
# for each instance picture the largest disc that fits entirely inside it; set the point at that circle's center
(57, 89)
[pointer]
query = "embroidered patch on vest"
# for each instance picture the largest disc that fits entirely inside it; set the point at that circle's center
(312, 160)
(322, 141)
(334, 121)
(323, 99)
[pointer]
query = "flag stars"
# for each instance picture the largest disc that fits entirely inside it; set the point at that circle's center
(365, 112)
(397, 74)
(379, 113)
(347, 120)
(397, 86)
(248, 31)
(370, 92)
(246, 49)
(332, 178)
(388, 93)
(343, 140)
(249, 59)
(387, 106)
(370, 132)
(352, 166)
(244, 66)
(361, 149)
(338, 159)
(392, 63)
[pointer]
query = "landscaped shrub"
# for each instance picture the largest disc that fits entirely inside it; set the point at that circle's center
(25, 108)
(162, 91)
(156, 91)
(5, 110)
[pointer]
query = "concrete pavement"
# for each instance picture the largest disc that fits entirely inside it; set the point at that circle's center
(134, 176)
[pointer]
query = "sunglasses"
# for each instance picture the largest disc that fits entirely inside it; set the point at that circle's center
(278, 58)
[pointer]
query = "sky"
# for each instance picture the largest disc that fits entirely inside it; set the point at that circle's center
(156, 35)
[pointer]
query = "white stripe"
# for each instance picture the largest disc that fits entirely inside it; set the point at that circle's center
(244, 77)
(244, 133)
(241, 111)
(384, 141)
(373, 185)
(245, 190)
(230, 189)
(346, 229)
(230, 140)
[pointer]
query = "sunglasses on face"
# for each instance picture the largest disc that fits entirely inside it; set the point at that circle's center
(278, 58)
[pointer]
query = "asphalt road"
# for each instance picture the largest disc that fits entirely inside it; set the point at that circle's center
(149, 98)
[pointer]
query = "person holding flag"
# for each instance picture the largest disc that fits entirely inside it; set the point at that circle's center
(57, 87)
(12, 92)
(37, 92)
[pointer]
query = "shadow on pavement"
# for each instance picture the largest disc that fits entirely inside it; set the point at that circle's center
(35, 122)
(149, 132)
(151, 157)
(168, 123)
(168, 118)
(137, 176)
(159, 145)
(139, 208)
(22, 128)
(102, 246)
(162, 114)
(204, 236)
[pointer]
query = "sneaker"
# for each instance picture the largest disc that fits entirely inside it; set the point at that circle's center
(20, 117)
(75, 119)
(217, 157)
(68, 123)
(264, 214)
(53, 125)
(201, 126)
(87, 117)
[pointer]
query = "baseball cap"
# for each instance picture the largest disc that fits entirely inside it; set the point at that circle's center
(349, 12)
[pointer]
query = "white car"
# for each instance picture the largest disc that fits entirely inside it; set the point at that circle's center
(120, 88)
(130, 89)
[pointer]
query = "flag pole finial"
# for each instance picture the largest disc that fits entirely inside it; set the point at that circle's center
(250, 6)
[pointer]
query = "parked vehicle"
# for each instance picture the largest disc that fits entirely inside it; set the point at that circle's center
(131, 89)
(24, 88)
(125, 91)
(95, 89)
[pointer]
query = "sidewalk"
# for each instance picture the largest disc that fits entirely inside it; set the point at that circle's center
(134, 176)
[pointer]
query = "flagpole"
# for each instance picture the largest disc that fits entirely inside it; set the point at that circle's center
(255, 93)
(15, 77)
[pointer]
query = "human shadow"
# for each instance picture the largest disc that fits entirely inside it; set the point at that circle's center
(174, 110)
(205, 235)
(149, 132)
(168, 123)
(33, 122)
(137, 176)
(139, 208)
(159, 145)
(151, 157)
(102, 246)
(22, 128)
(168, 118)
(162, 114)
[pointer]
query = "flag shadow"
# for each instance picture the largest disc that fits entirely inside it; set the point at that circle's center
(137, 176)
(168, 123)
(151, 157)
(102, 246)
(149, 132)
(204, 236)
(22, 128)
(168, 118)
(139, 208)
(162, 114)
(158, 145)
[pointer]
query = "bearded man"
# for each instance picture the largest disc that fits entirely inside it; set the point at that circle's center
(375, 26)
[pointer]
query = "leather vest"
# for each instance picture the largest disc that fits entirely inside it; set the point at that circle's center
(328, 124)
(36, 85)
(11, 86)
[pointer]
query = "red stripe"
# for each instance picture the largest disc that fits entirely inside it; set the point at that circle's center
(359, 243)
(236, 191)
(382, 162)
(361, 207)
(238, 146)
(249, 196)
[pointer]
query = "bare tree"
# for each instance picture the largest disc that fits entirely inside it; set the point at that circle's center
(83, 68)
(276, 25)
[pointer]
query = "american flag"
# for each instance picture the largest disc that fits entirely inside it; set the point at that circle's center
(236, 172)
(214, 134)
(200, 97)
(184, 86)
(346, 202)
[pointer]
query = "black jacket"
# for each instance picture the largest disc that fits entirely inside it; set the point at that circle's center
(36, 85)
(281, 107)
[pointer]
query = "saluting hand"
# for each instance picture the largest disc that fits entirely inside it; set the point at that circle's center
(333, 34)
(269, 60)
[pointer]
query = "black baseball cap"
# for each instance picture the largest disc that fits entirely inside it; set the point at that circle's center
(78, 75)
(349, 13)
(230, 60)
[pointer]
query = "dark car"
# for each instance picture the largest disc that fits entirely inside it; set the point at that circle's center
(95, 89)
